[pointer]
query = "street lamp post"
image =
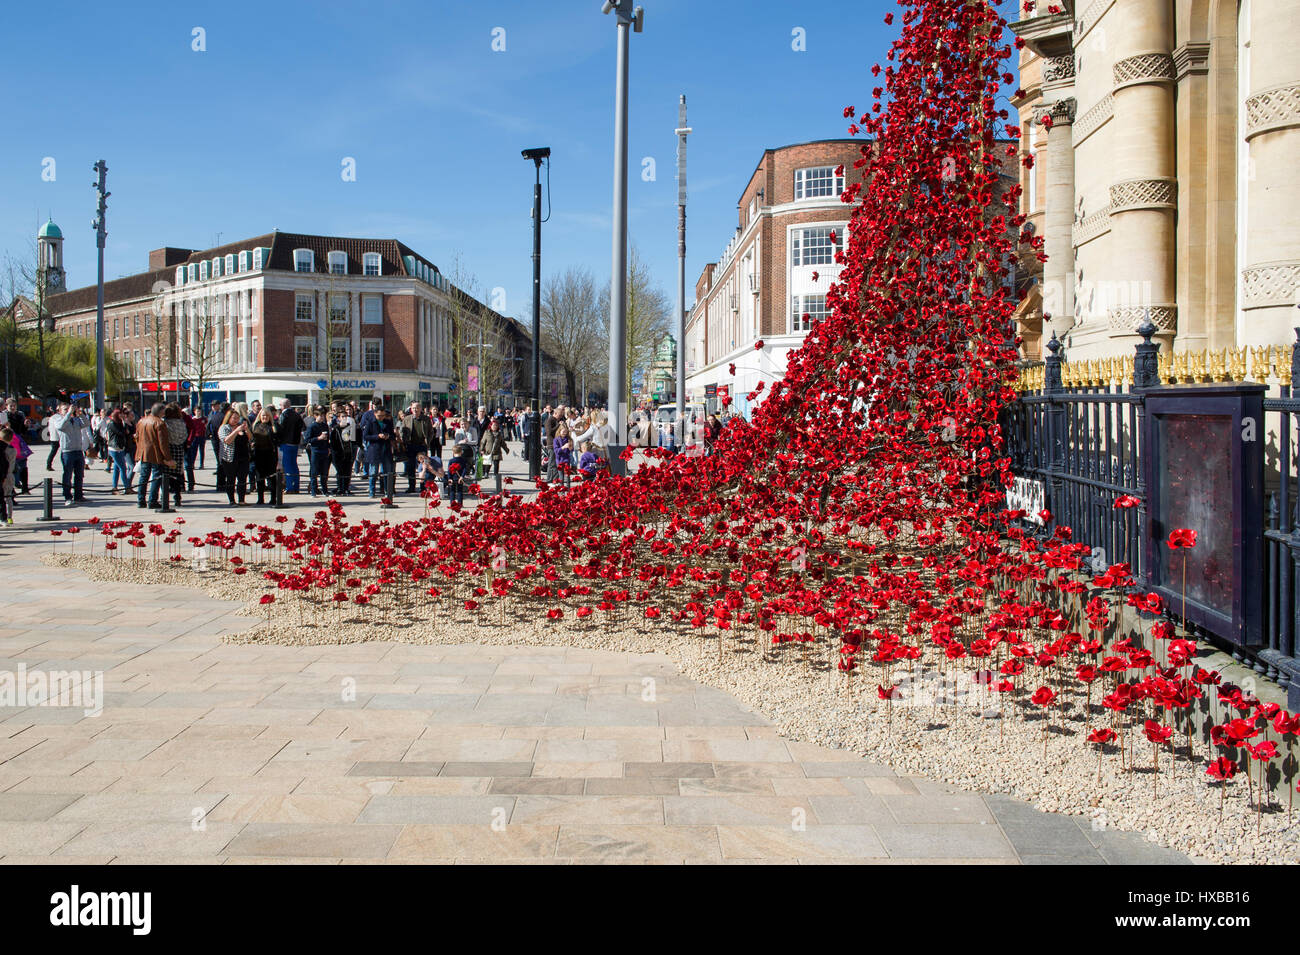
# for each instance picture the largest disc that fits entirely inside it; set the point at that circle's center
(626, 16)
(682, 130)
(101, 233)
(535, 412)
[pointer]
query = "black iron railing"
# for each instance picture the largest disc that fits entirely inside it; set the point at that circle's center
(1083, 447)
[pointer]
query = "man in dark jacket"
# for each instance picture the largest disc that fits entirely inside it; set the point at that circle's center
(291, 427)
(418, 437)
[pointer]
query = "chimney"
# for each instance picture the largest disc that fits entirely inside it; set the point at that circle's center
(167, 257)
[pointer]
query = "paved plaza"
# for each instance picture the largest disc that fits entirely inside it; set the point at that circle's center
(209, 752)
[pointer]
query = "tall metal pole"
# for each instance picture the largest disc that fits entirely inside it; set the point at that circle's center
(627, 17)
(682, 130)
(535, 412)
(101, 233)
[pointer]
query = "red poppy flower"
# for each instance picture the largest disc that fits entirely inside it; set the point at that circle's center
(1264, 750)
(1222, 769)
(1156, 732)
(1181, 538)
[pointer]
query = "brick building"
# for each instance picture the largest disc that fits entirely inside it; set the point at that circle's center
(771, 280)
(288, 315)
(776, 268)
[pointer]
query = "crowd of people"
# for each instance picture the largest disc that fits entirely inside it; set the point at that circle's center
(256, 450)
(259, 450)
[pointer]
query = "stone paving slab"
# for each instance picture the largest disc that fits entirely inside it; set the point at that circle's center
(209, 753)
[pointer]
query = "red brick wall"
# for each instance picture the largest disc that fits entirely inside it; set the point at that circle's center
(277, 329)
(399, 332)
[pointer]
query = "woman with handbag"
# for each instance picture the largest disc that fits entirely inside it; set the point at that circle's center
(233, 452)
(265, 438)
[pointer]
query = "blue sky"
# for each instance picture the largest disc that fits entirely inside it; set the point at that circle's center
(250, 134)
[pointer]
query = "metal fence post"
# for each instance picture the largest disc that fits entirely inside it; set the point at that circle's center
(1146, 376)
(1053, 388)
(1290, 606)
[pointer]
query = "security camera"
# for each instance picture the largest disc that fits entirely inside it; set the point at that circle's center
(606, 7)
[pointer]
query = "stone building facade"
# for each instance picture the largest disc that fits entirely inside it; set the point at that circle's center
(1164, 137)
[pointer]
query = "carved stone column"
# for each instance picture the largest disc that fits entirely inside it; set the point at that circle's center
(1270, 278)
(1058, 219)
(1144, 190)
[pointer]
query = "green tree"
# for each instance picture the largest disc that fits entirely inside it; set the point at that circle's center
(69, 360)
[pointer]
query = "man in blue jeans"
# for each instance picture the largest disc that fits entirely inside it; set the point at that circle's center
(72, 430)
(153, 452)
(291, 429)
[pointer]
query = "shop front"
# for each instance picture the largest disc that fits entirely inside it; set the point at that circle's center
(396, 391)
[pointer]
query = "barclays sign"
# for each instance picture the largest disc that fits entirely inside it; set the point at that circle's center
(348, 384)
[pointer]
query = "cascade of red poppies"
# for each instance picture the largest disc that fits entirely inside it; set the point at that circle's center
(861, 515)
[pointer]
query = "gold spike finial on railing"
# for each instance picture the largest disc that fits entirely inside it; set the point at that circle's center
(1260, 359)
(1237, 364)
(1284, 364)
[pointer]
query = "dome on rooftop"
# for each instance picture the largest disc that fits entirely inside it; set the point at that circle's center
(50, 231)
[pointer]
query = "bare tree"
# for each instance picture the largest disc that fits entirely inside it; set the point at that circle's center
(201, 340)
(573, 331)
(337, 323)
(476, 336)
(32, 279)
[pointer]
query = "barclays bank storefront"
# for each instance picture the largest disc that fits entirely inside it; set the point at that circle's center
(397, 390)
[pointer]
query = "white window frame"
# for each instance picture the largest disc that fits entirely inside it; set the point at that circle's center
(259, 258)
(799, 308)
(180, 275)
(372, 260)
(365, 310)
(230, 267)
(205, 270)
(346, 346)
(366, 344)
(245, 261)
(300, 342)
(218, 267)
(802, 177)
(330, 299)
(298, 260)
(298, 299)
(799, 245)
(337, 259)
